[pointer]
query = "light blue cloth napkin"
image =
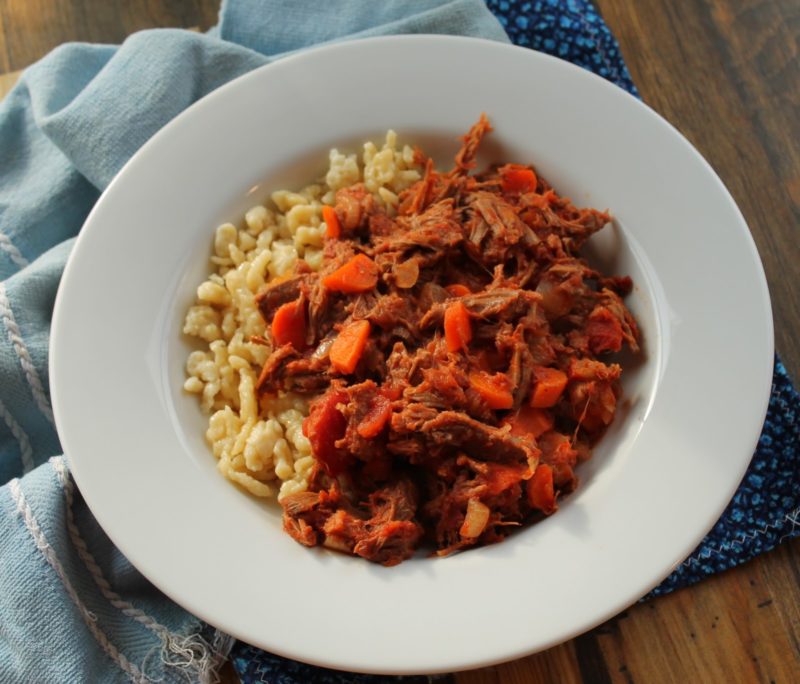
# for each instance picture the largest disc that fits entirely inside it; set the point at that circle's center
(72, 609)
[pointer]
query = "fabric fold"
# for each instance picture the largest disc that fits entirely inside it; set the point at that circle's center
(276, 27)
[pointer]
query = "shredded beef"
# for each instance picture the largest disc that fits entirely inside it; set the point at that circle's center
(495, 228)
(498, 304)
(453, 429)
(436, 229)
(458, 359)
(380, 528)
(277, 294)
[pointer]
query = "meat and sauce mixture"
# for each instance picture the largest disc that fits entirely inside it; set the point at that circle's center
(457, 359)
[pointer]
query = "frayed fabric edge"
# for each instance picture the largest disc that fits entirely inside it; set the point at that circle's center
(192, 658)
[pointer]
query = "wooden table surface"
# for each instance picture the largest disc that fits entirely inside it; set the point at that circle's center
(726, 73)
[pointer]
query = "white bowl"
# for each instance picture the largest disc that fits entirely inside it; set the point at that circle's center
(658, 481)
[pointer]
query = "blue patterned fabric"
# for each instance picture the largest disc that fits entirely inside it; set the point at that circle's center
(569, 29)
(765, 509)
(254, 665)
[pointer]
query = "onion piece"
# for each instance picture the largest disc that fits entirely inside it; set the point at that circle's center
(556, 301)
(324, 347)
(406, 273)
(476, 519)
(337, 543)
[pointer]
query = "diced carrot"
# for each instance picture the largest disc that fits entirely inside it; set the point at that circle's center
(334, 228)
(348, 346)
(289, 325)
(457, 327)
(517, 179)
(494, 389)
(540, 490)
(458, 290)
(377, 416)
(501, 477)
(360, 274)
(530, 421)
(548, 384)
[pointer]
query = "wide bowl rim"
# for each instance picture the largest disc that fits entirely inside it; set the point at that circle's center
(430, 663)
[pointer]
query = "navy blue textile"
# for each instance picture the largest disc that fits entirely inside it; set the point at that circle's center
(253, 665)
(570, 29)
(765, 509)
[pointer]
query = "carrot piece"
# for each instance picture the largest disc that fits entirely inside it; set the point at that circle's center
(501, 477)
(360, 274)
(531, 421)
(334, 228)
(494, 389)
(548, 385)
(457, 327)
(517, 179)
(377, 416)
(289, 325)
(458, 290)
(348, 346)
(540, 490)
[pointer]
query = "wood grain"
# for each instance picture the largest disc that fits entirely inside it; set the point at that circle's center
(7, 82)
(31, 28)
(726, 74)
(5, 67)
(740, 626)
